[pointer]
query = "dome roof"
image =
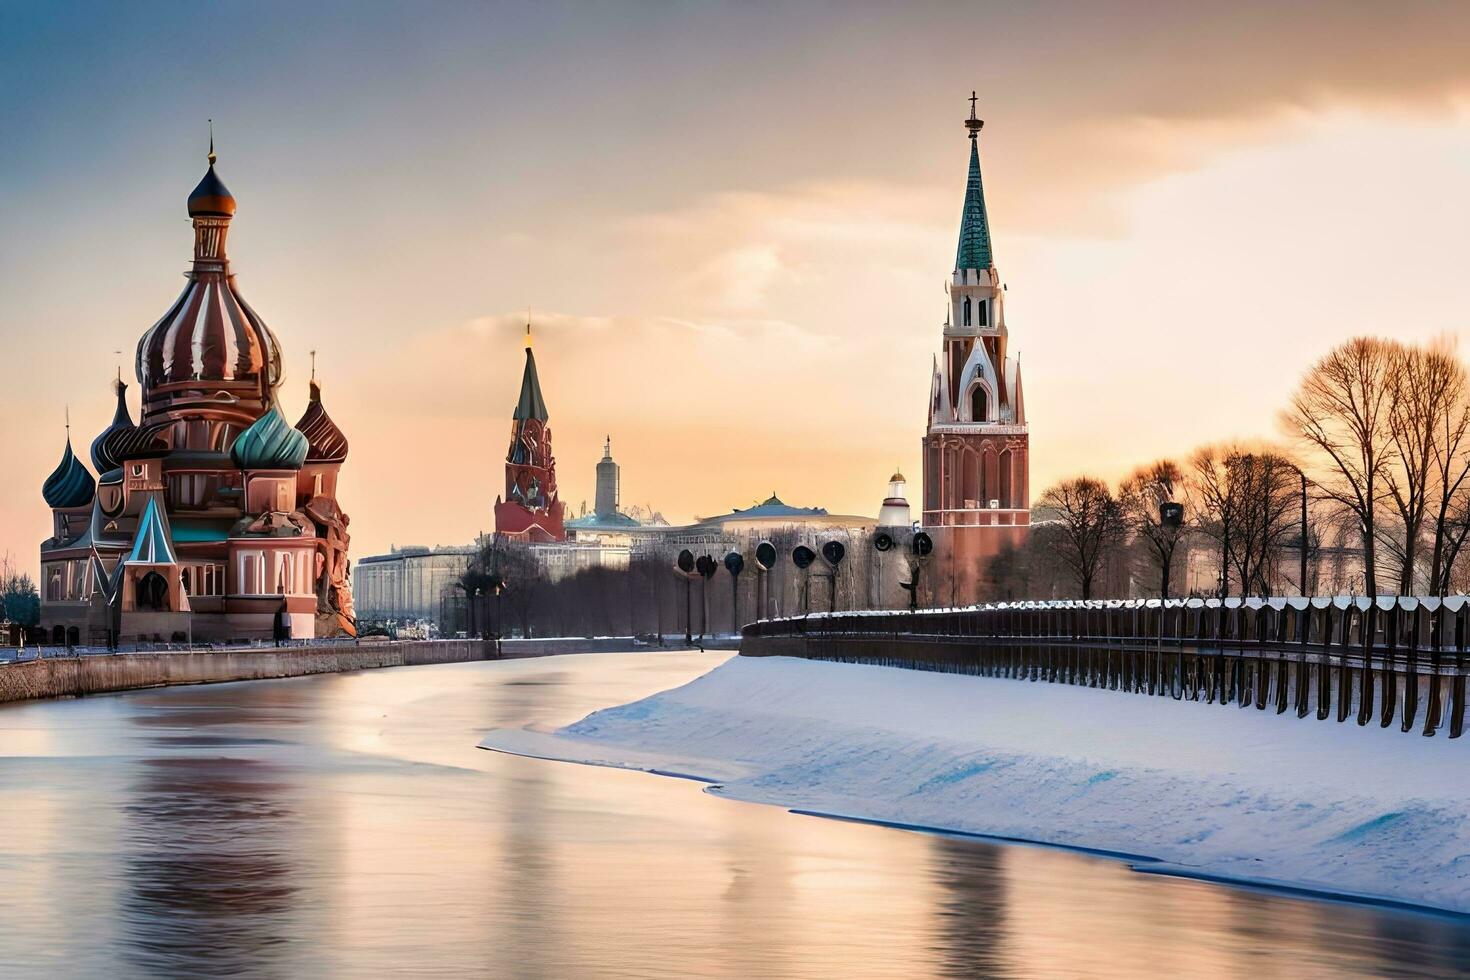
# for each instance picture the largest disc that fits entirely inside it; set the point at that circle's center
(269, 444)
(211, 197)
(104, 449)
(897, 477)
(209, 334)
(70, 484)
(326, 443)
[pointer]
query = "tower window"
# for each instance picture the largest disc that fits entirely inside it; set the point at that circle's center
(979, 405)
(984, 319)
(966, 313)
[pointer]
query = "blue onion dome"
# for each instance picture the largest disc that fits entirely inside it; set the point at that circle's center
(270, 444)
(105, 447)
(70, 484)
(326, 441)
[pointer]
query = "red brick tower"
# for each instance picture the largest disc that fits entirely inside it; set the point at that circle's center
(530, 510)
(976, 467)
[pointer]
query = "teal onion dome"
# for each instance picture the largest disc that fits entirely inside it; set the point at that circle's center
(270, 444)
(70, 484)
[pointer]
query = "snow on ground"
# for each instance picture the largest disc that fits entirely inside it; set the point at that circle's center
(1216, 791)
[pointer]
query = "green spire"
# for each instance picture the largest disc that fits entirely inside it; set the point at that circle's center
(974, 251)
(531, 404)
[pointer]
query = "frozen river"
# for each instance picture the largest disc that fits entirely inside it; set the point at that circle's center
(346, 825)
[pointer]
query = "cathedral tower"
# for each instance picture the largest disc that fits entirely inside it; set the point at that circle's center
(976, 466)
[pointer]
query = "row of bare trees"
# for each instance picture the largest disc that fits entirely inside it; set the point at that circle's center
(1378, 460)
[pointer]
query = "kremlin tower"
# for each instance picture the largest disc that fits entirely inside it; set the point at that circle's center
(212, 517)
(530, 510)
(976, 469)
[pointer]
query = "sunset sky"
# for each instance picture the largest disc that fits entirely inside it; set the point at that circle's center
(732, 224)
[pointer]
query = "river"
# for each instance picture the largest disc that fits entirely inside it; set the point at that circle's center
(346, 825)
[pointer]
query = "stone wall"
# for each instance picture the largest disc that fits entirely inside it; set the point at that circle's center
(75, 676)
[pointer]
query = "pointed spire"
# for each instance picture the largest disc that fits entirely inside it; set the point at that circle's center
(105, 447)
(531, 404)
(974, 248)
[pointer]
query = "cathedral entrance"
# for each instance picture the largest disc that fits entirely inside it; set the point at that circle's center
(152, 593)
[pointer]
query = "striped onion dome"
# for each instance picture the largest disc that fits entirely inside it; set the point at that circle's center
(104, 447)
(270, 444)
(209, 334)
(70, 484)
(326, 441)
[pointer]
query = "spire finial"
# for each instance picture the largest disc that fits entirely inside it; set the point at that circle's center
(211, 157)
(67, 415)
(313, 367)
(974, 124)
(528, 328)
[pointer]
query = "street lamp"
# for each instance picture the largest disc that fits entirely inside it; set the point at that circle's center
(685, 565)
(734, 564)
(802, 557)
(834, 552)
(705, 566)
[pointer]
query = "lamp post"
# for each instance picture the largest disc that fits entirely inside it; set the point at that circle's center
(802, 557)
(833, 551)
(685, 565)
(765, 560)
(705, 566)
(734, 564)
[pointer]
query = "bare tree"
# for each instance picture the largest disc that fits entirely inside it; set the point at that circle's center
(1341, 412)
(1141, 497)
(1088, 525)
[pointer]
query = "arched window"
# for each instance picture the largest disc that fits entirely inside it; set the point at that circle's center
(966, 313)
(979, 405)
(152, 592)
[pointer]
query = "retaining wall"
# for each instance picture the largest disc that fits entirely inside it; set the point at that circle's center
(75, 676)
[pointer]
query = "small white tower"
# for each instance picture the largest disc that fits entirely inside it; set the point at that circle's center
(895, 510)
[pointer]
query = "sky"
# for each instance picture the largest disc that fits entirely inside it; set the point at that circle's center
(731, 224)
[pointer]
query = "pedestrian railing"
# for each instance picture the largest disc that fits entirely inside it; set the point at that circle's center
(1391, 659)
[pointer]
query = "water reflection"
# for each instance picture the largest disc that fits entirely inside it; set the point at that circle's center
(346, 825)
(210, 873)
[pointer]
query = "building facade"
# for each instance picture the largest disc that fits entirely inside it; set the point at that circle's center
(212, 517)
(409, 584)
(976, 445)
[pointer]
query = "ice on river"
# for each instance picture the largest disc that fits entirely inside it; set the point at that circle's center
(1204, 789)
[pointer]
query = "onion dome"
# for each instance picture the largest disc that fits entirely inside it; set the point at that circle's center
(137, 442)
(210, 355)
(270, 444)
(326, 443)
(70, 484)
(104, 447)
(211, 197)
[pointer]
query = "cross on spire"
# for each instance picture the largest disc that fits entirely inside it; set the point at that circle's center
(973, 124)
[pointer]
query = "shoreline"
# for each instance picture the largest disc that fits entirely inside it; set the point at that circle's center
(55, 678)
(1248, 799)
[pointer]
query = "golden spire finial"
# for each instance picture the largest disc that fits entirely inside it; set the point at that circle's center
(211, 157)
(528, 328)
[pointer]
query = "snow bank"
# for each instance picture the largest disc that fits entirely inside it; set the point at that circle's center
(1213, 791)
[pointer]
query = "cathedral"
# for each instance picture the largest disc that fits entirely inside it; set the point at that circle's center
(976, 494)
(211, 518)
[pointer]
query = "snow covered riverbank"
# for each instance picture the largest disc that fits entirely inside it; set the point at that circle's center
(1216, 791)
